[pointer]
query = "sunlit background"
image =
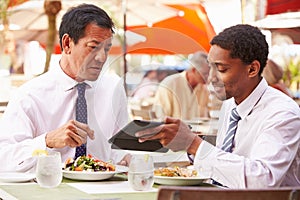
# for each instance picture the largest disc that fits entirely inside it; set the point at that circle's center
(24, 35)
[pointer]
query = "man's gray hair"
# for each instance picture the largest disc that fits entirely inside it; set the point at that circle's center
(198, 59)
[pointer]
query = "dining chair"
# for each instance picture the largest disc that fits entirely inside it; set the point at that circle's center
(198, 193)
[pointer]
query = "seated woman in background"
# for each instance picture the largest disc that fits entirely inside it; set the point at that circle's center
(273, 73)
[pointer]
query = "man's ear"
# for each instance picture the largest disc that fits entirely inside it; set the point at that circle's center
(66, 41)
(253, 68)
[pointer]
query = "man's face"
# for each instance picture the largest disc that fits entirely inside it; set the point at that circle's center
(90, 53)
(228, 77)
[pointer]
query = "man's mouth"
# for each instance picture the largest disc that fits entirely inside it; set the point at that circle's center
(96, 68)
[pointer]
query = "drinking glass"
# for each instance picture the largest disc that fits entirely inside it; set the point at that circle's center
(141, 172)
(49, 170)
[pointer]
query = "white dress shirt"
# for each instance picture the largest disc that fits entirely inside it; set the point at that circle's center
(46, 103)
(267, 141)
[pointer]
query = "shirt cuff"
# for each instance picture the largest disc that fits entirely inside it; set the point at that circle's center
(204, 159)
(223, 167)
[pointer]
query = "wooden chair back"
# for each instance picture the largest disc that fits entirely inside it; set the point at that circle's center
(198, 193)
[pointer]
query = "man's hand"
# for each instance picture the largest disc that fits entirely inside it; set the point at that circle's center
(72, 134)
(173, 134)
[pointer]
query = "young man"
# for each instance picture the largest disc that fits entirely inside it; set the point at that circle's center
(42, 115)
(264, 151)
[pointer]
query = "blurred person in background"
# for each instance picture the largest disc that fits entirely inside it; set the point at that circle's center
(273, 74)
(42, 113)
(185, 95)
(147, 87)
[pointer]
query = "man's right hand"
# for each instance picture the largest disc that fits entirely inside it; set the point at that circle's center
(173, 134)
(72, 134)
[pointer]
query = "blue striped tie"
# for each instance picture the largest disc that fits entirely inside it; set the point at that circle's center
(81, 114)
(228, 141)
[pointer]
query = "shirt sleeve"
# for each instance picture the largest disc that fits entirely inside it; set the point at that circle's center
(212, 162)
(270, 157)
(17, 140)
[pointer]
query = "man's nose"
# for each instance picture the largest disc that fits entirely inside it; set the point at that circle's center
(101, 55)
(212, 76)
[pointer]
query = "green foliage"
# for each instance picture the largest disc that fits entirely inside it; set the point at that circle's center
(292, 72)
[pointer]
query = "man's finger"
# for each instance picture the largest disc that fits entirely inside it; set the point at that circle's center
(91, 134)
(76, 137)
(84, 129)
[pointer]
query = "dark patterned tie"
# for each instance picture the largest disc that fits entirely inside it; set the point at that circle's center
(81, 114)
(228, 141)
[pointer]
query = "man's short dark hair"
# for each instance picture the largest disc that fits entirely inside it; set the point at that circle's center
(77, 18)
(245, 42)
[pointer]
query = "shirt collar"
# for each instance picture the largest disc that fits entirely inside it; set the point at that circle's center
(66, 82)
(246, 106)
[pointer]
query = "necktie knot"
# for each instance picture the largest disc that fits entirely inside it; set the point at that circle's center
(234, 115)
(81, 88)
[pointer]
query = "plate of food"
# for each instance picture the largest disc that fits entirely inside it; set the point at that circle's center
(16, 177)
(177, 176)
(90, 168)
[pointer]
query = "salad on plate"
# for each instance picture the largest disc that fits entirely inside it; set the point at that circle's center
(88, 163)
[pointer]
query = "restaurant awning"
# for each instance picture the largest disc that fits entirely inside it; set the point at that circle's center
(281, 6)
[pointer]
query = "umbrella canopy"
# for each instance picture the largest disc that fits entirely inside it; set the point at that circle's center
(30, 15)
(176, 28)
(12, 3)
(30, 22)
(188, 31)
(287, 24)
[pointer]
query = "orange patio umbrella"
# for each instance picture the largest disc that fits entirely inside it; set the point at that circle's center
(12, 3)
(187, 32)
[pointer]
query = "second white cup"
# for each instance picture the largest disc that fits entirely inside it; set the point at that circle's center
(141, 172)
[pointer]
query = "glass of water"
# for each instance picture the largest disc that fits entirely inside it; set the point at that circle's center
(141, 172)
(49, 170)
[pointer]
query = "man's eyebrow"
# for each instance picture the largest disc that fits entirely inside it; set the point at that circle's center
(218, 63)
(94, 41)
(97, 42)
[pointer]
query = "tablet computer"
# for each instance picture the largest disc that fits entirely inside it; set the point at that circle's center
(126, 139)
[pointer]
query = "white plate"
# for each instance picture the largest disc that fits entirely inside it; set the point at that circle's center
(165, 180)
(93, 176)
(17, 177)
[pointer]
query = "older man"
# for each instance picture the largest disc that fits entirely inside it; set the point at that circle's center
(185, 95)
(74, 108)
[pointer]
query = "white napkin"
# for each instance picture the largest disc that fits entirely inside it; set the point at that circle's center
(106, 187)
